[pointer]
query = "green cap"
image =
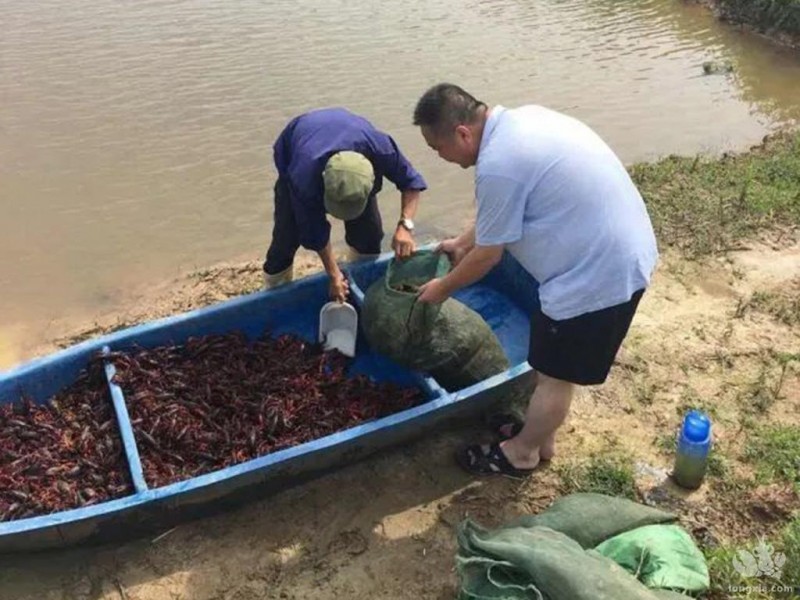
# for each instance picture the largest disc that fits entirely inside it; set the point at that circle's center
(348, 178)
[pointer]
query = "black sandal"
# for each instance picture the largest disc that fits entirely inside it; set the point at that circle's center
(489, 460)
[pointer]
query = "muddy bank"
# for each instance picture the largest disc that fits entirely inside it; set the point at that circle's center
(186, 292)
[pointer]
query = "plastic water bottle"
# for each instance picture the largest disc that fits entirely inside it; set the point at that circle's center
(694, 445)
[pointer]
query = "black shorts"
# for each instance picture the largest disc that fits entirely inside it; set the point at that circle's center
(581, 349)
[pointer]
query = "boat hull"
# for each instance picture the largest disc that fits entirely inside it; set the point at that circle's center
(505, 299)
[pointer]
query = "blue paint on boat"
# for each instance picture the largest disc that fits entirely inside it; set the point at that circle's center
(125, 427)
(504, 298)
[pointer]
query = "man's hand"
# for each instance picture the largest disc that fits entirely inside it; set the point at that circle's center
(434, 291)
(338, 288)
(403, 243)
(455, 251)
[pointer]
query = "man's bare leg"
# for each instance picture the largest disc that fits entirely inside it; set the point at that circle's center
(547, 410)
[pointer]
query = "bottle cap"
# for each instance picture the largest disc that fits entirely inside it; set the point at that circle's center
(696, 426)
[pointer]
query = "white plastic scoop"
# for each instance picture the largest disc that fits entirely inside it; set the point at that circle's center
(338, 327)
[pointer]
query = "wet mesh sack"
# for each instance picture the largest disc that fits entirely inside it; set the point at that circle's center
(449, 340)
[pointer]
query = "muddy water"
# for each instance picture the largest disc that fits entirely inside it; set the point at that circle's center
(135, 137)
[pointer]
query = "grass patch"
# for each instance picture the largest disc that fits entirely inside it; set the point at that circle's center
(705, 206)
(725, 577)
(775, 451)
(782, 553)
(767, 389)
(667, 443)
(718, 464)
(645, 391)
(784, 306)
(790, 546)
(760, 395)
(691, 400)
(612, 476)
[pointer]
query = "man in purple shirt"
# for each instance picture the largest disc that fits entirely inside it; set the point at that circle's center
(331, 161)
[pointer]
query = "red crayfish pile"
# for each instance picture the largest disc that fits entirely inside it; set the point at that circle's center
(63, 454)
(220, 400)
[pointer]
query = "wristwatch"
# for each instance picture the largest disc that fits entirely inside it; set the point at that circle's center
(407, 224)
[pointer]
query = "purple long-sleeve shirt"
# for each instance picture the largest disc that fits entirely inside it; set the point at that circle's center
(303, 148)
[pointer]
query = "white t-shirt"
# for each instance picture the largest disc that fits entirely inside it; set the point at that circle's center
(562, 203)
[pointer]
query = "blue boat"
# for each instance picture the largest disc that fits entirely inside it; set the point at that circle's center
(505, 299)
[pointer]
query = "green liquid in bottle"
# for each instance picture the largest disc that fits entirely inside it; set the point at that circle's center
(689, 470)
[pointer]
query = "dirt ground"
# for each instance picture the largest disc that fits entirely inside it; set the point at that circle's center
(384, 528)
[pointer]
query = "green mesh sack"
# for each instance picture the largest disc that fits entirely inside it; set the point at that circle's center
(661, 556)
(591, 519)
(537, 564)
(449, 340)
(550, 556)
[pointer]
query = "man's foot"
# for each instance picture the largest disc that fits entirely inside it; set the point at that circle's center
(508, 427)
(519, 455)
(489, 460)
(548, 449)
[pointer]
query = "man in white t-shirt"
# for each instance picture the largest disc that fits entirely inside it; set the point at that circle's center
(553, 194)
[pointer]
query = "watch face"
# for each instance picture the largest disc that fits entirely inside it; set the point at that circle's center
(407, 223)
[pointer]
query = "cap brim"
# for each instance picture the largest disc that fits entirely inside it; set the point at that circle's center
(346, 211)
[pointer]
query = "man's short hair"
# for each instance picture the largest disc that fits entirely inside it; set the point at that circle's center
(445, 106)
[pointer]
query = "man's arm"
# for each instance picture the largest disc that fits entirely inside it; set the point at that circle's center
(403, 239)
(409, 200)
(394, 165)
(397, 169)
(338, 286)
(329, 261)
(475, 265)
(466, 241)
(313, 229)
(457, 248)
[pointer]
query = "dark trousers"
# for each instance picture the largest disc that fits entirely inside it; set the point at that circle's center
(364, 233)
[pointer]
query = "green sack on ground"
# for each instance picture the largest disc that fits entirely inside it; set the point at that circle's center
(590, 519)
(535, 564)
(449, 340)
(527, 559)
(660, 556)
